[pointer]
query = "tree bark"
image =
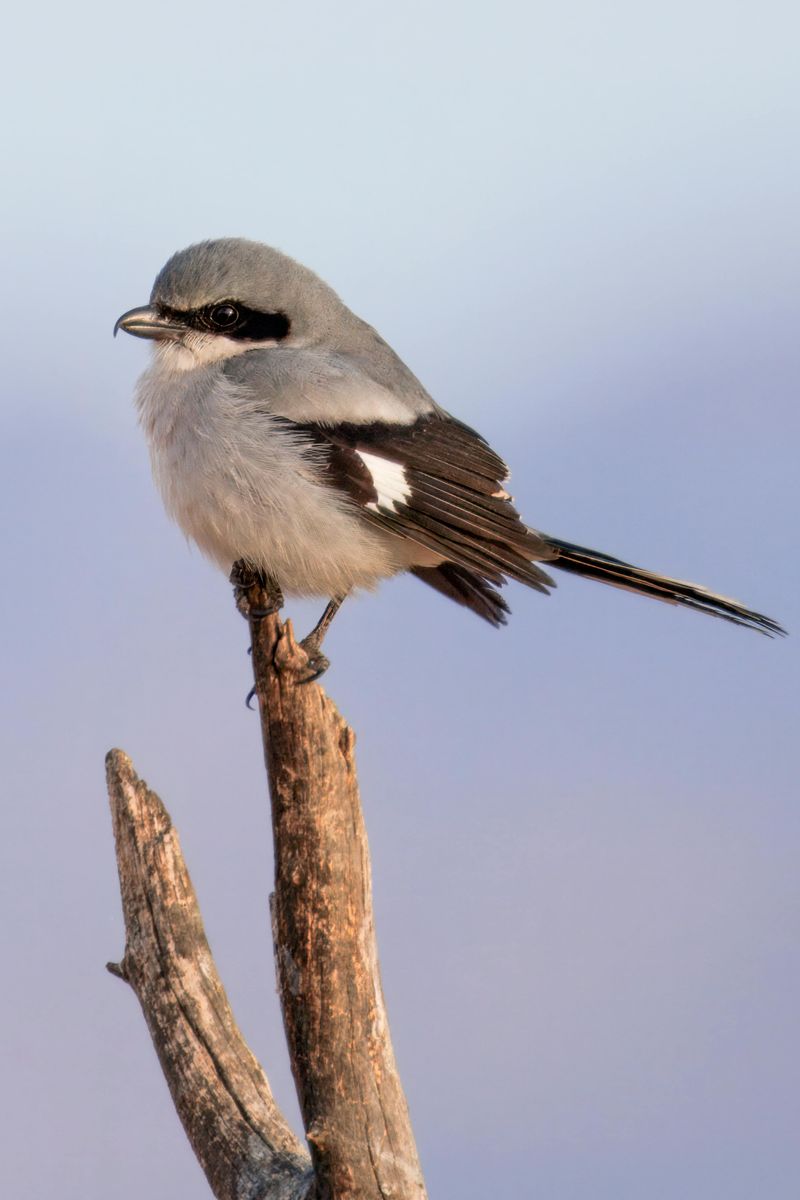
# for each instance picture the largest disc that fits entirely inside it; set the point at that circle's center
(351, 1098)
(354, 1110)
(220, 1092)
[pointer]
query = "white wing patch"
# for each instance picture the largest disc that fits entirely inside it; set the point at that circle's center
(389, 480)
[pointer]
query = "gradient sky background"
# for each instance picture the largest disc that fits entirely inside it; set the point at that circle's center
(579, 225)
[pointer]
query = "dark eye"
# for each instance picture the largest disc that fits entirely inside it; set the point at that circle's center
(223, 316)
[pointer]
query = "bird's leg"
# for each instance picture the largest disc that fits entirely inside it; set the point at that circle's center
(317, 661)
(244, 577)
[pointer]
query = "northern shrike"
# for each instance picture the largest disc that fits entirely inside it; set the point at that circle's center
(285, 433)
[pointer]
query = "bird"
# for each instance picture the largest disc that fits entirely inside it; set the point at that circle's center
(286, 435)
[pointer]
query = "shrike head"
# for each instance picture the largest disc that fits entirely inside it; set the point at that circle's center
(220, 298)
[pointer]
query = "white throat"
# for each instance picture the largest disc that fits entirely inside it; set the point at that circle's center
(200, 350)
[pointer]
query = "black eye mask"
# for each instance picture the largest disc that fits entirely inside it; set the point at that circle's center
(233, 320)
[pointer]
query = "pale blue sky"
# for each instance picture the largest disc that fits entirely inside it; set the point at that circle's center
(578, 224)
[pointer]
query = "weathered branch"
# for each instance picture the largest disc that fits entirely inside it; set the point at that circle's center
(220, 1092)
(354, 1110)
(351, 1098)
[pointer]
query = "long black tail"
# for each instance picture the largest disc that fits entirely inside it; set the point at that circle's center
(603, 567)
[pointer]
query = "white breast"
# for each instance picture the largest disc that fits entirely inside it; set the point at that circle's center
(240, 485)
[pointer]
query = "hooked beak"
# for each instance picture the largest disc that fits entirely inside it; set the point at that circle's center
(149, 323)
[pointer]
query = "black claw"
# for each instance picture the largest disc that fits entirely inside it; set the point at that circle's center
(259, 613)
(317, 662)
(250, 697)
(317, 667)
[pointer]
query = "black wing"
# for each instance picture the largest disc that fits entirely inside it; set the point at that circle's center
(438, 483)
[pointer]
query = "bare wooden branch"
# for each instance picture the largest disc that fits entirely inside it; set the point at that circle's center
(353, 1106)
(354, 1110)
(220, 1092)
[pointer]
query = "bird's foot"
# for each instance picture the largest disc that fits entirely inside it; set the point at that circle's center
(317, 664)
(302, 660)
(245, 579)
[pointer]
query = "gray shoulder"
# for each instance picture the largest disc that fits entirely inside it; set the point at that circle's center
(364, 345)
(365, 383)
